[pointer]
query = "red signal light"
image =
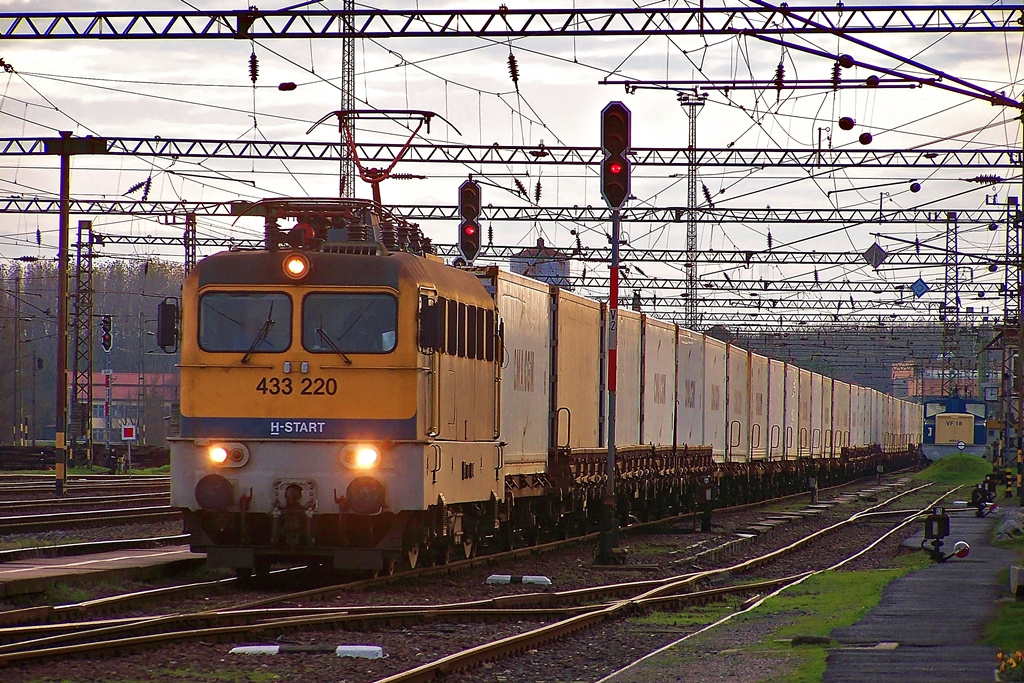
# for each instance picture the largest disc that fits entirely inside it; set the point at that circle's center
(615, 168)
(469, 229)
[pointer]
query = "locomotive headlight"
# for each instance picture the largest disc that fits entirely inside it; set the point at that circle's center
(296, 266)
(228, 454)
(361, 456)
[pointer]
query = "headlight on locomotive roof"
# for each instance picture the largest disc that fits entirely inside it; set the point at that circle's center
(296, 266)
(228, 454)
(361, 456)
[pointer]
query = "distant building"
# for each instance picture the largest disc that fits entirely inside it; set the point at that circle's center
(543, 263)
(914, 381)
(140, 400)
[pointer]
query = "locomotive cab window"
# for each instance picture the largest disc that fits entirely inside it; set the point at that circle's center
(245, 321)
(349, 323)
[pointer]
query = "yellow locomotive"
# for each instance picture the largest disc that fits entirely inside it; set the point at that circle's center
(331, 395)
(348, 399)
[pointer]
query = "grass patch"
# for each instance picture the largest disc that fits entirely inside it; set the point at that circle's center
(62, 594)
(163, 469)
(192, 673)
(819, 605)
(956, 469)
(698, 615)
(96, 469)
(1006, 629)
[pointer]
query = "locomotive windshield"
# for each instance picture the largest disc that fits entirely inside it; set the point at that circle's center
(257, 322)
(349, 323)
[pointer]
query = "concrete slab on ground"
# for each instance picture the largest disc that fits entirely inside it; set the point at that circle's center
(35, 575)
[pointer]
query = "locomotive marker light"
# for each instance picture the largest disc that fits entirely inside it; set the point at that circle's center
(469, 215)
(615, 136)
(229, 454)
(361, 456)
(296, 266)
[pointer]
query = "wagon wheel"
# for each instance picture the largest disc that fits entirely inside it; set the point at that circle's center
(412, 556)
(469, 546)
(388, 568)
(442, 551)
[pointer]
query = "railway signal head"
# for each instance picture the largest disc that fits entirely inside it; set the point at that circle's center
(469, 220)
(106, 333)
(615, 134)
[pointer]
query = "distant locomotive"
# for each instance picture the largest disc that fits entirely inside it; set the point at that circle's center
(348, 399)
(952, 425)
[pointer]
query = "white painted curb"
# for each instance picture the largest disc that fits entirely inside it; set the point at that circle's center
(361, 651)
(508, 578)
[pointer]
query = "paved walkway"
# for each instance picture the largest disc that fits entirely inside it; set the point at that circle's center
(928, 624)
(34, 575)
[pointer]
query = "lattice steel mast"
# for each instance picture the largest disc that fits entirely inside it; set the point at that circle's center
(692, 104)
(81, 336)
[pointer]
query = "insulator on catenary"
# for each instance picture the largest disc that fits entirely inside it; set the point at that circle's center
(513, 69)
(985, 179)
(254, 68)
(769, 240)
(145, 190)
(837, 77)
(707, 195)
(780, 79)
(490, 234)
(536, 192)
(39, 237)
(135, 188)
(521, 188)
(816, 275)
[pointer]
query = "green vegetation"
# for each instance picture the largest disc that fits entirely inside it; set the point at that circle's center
(163, 469)
(62, 594)
(818, 605)
(1006, 629)
(197, 675)
(697, 615)
(192, 674)
(956, 469)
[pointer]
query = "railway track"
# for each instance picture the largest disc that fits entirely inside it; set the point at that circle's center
(27, 524)
(28, 506)
(660, 595)
(570, 609)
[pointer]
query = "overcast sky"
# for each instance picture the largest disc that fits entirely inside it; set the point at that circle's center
(201, 89)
